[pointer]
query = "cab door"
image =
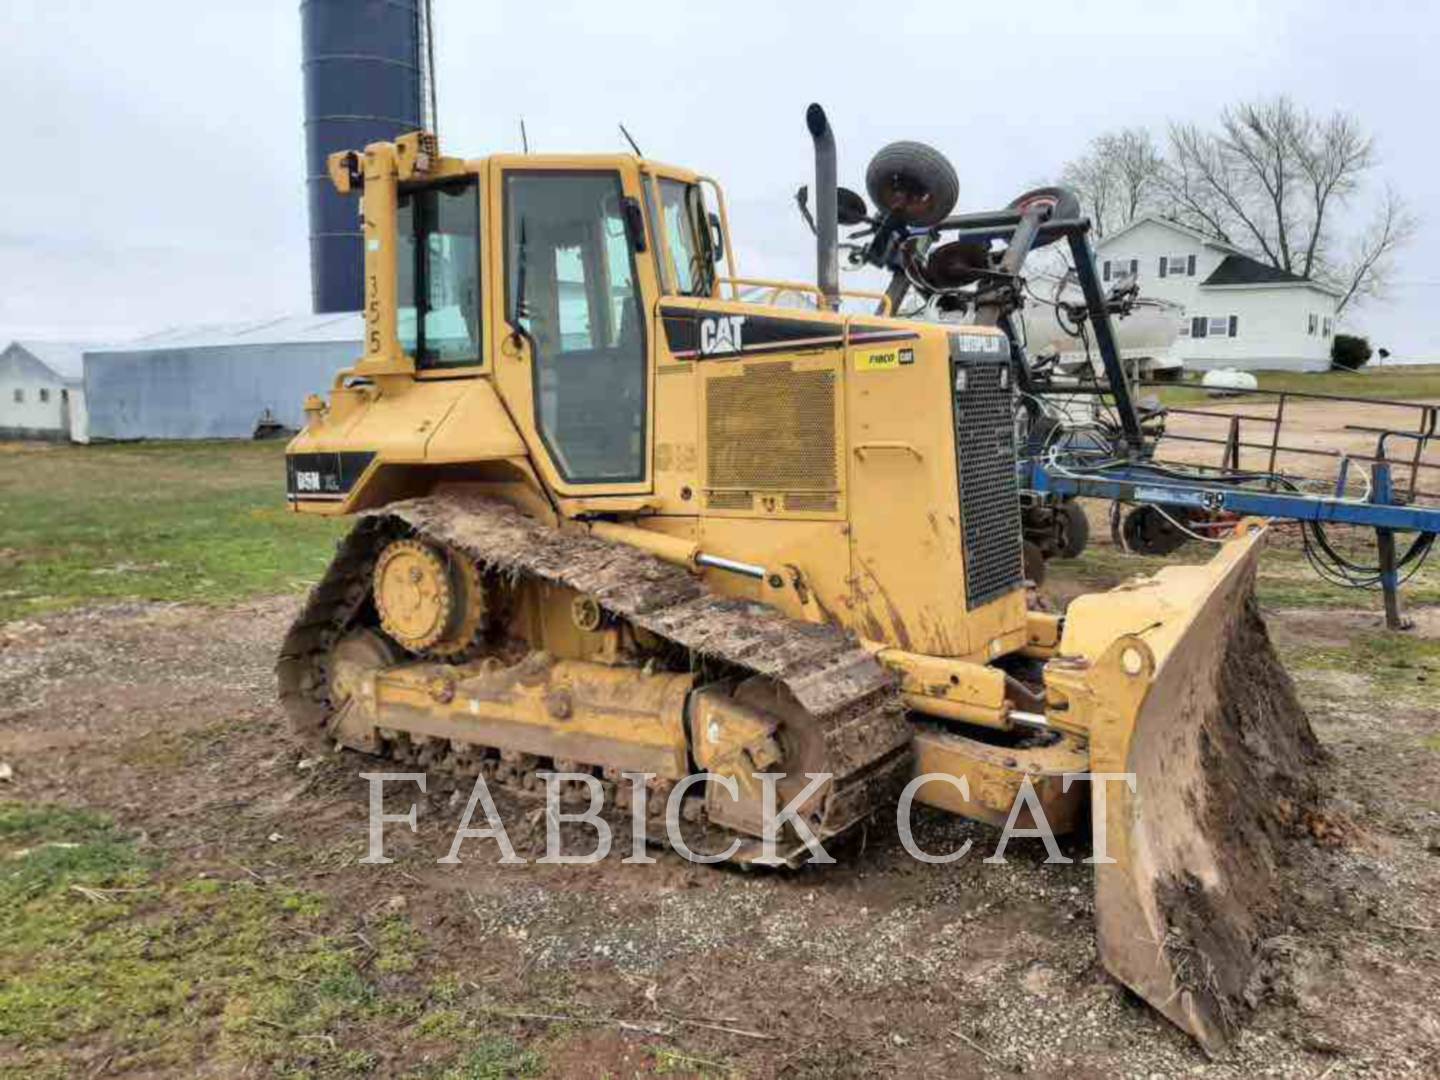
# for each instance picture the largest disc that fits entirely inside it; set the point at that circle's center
(575, 354)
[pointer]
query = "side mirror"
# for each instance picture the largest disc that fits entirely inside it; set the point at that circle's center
(850, 208)
(717, 236)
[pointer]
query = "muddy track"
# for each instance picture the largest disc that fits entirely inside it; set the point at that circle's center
(851, 700)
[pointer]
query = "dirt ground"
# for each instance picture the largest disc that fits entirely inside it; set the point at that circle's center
(164, 716)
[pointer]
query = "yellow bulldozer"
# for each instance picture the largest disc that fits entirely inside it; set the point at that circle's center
(616, 516)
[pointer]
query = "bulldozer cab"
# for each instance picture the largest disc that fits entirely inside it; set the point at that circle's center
(550, 266)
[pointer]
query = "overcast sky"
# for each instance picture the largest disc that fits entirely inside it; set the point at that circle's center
(153, 171)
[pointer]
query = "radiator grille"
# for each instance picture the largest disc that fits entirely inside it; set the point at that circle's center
(771, 428)
(989, 490)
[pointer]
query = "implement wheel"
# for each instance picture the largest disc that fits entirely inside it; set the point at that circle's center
(1072, 528)
(1147, 531)
(914, 182)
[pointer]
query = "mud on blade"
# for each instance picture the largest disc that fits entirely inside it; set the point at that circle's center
(1195, 704)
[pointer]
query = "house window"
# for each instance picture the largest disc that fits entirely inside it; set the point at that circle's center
(1118, 268)
(1314, 323)
(1325, 329)
(1214, 326)
(44, 395)
(1177, 266)
(19, 396)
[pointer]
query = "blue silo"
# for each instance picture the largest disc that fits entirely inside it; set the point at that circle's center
(367, 79)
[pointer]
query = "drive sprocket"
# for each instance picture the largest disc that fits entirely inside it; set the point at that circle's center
(430, 599)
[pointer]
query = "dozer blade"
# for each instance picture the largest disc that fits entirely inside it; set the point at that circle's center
(1186, 694)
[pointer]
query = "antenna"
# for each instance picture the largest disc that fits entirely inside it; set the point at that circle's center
(524, 139)
(631, 141)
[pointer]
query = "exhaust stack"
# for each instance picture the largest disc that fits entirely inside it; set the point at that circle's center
(827, 218)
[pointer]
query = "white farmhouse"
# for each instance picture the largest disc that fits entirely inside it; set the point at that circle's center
(42, 395)
(1237, 312)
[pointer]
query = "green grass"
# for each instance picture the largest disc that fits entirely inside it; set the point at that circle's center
(1396, 383)
(496, 1058)
(112, 958)
(99, 947)
(106, 954)
(195, 521)
(1401, 666)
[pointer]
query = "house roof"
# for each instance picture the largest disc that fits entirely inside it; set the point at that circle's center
(65, 358)
(1173, 226)
(285, 330)
(1243, 270)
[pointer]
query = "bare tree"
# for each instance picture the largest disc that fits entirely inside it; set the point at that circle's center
(1207, 190)
(1272, 179)
(1116, 178)
(1092, 178)
(1367, 268)
(1136, 164)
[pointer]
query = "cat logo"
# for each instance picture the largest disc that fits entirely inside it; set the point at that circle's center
(721, 334)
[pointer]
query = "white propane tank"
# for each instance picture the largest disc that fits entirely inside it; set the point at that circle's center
(1224, 381)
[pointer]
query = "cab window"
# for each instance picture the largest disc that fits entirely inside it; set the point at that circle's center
(438, 274)
(571, 288)
(691, 267)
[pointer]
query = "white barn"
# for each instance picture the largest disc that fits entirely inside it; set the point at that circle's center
(42, 395)
(1235, 311)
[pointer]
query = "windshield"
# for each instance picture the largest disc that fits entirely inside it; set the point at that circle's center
(685, 235)
(438, 274)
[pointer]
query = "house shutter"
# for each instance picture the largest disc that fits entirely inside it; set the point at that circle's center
(1105, 270)
(1190, 266)
(1163, 260)
(1234, 325)
(1197, 326)
(1135, 267)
